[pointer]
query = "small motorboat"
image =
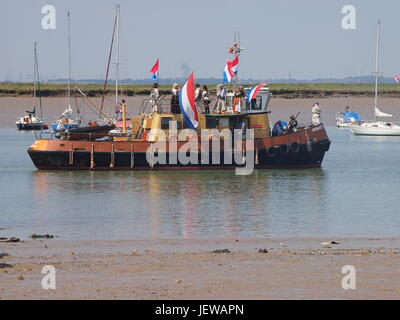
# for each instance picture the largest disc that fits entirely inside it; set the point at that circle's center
(345, 119)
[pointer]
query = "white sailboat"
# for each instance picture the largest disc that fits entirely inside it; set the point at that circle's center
(31, 121)
(377, 127)
(66, 120)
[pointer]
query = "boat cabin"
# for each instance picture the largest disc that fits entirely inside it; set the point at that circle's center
(253, 115)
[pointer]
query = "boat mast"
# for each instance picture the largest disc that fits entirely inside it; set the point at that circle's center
(69, 64)
(108, 63)
(376, 66)
(37, 78)
(117, 58)
(34, 78)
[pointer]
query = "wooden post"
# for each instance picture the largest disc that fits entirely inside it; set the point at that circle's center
(92, 164)
(71, 154)
(124, 118)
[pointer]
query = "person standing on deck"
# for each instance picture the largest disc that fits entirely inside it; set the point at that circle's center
(316, 114)
(175, 108)
(237, 101)
(220, 104)
(206, 100)
(154, 96)
(123, 105)
(197, 97)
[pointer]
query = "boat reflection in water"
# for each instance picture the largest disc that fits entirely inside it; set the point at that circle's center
(167, 204)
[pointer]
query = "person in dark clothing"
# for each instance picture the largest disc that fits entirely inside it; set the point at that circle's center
(206, 100)
(279, 128)
(175, 108)
(292, 124)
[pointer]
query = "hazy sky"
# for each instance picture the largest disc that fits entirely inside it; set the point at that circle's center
(305, 37)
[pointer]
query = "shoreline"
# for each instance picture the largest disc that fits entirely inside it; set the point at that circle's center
(290, 268)
(279, 90)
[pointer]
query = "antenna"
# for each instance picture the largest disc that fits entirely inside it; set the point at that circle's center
(235, 50)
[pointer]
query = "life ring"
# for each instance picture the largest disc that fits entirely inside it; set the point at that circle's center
(271, 152)
(295, 147)
(284, 148)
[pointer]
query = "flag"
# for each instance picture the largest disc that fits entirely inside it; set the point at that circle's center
(228, 73)
(254, 91)
(186, 102)
(232, 48)
(154, 71)
(234, 65)
(396, 78)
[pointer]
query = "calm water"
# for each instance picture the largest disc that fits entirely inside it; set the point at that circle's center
(356, 193)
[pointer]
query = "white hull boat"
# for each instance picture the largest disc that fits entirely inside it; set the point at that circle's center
(376, 128)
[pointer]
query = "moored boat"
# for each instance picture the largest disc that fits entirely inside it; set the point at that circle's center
(345, 119)
(176, 136)
(377, 127)
(31, 121)
(304, 147)
(67, 121)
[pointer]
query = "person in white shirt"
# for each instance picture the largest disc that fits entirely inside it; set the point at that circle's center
(198, 97)
(154, 96)
(220, 104)
(316, 114)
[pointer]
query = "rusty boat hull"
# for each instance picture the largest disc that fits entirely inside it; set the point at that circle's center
(302, 149)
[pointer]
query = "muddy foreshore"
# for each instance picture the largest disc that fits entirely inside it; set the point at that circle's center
(193, 269)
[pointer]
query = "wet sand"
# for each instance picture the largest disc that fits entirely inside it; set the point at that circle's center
(188, 269)
(13, 107)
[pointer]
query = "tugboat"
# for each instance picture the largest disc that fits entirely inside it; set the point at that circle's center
(30, 121)
(178, 137)
(303, 147)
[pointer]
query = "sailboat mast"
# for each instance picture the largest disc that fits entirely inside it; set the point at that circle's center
(34, 77)
(376, 64)
(117, 59)
(38, 82)
(69, 63)
(108, 64)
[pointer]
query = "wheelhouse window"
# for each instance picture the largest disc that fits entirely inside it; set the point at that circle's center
(165, 123)
(255, 104)
(211, 123)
